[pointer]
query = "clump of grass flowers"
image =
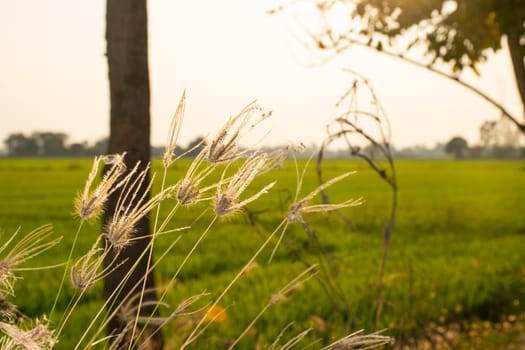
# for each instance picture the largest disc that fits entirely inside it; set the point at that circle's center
(16, 332)
(34, 243)
(36, 337)
(236, 170)
(91, 202)
(227, 199)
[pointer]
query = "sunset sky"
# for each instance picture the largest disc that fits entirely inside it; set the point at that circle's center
(226, 54)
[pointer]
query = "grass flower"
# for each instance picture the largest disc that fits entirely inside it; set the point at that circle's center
(301, 206)
(227, 198)
(173, 134)
(181, 312)
(87, 270)
(91, 202)
(133, 313)
(7, 310)
(357, 340)
(129, 311)
(188, 189)
(294, 285)
(182, 308)
(7, 277)
(131, 207)
(84, 273)
(290, 343)
(224, 146)
(187, 192)
(39, 337)
(34, 243)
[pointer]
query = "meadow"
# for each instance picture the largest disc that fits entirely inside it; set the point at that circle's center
(456, 254)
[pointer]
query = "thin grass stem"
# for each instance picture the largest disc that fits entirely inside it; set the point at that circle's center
(192, 337)
(111, 297)
(181, 265)
(68, 262)
(153, 236)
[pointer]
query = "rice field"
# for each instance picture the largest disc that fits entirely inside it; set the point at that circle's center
(456, 254)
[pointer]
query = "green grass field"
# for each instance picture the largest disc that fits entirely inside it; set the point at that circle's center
(457, 249)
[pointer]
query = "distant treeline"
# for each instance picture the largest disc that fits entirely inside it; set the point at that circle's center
(50, 144)
(452, 149)
(55, 144)
(458, 148)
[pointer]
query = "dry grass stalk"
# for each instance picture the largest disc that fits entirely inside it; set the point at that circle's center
(39, 337)
(130, 208)
(294, 285)
(7, 278)
(301, 206)
(129, 310)
(90, 203)
(224, 146)
(173, 134)
(368, 125)
(87, 270)
(180, 312)
(7, 310)
(227, 198)
(357, 340)
(298, 207)
(290, 343)
(189, 189)
(34, 243)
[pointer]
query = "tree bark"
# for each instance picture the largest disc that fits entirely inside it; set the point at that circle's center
(127, 54)
(517, 53)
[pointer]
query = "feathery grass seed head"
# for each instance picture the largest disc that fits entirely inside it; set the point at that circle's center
(128, 211)
(294, 285)
(119, 232)
(227, 198)
(184, 305)
(224, 146)
(173, 134)
(7, 310)
(90, 203)
(357, 340)
(39, 337)
(7, 278)
(189, 190)
(132, 206)
(299, 207)
(87, 270)
(32, 244)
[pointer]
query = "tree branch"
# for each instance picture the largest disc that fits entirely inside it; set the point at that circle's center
(516, 55)
(434, 70)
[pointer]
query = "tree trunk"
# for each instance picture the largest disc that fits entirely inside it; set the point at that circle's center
(517, 53)
(127, 53)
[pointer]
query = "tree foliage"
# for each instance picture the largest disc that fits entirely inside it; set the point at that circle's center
(459, 33)
(457, 146)
(50, 144)
(19, 145)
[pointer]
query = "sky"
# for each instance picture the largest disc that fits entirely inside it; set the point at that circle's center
(225, 54)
